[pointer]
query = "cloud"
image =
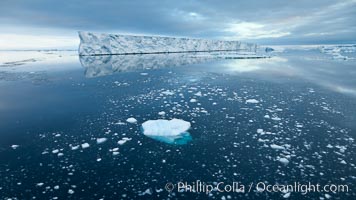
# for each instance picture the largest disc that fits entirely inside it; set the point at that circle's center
(248, 30)
(274, 21)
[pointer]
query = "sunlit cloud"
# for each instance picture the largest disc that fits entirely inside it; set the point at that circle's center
(249, 30)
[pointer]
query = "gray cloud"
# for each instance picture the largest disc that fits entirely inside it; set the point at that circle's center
(279, 21)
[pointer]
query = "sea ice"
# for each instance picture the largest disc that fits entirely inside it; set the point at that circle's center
(252, 101)
(39, 184)
(286, 195)
(169, 131)
(85, 145)
(285, 161)
(75, 147)
(162, 127)
(198, 94)
(167, 92)
(101, 140)
(131, 120)
(277, 147)
(162, 113)
(123, 140)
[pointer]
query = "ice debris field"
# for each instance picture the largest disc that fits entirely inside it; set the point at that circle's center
(126, 133)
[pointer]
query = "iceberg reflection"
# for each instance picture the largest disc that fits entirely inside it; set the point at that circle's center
(108, 64)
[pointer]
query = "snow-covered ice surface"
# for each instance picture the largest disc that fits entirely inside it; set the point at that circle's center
(174, 131)
(106, 44)
(282, 119)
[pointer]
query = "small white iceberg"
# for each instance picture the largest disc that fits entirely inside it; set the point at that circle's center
(252, 101)
(131, 120)
(101, 140)
(169, 131)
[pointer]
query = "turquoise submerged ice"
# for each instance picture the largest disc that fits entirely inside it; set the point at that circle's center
(169, 131)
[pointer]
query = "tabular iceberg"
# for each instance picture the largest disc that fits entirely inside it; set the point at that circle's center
(109, 44)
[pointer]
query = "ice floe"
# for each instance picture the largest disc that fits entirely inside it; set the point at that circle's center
(85, 145)
(252, 101)
(169, 131)
(277, 147)
(123, 140)
(131, 120)
(101, 140)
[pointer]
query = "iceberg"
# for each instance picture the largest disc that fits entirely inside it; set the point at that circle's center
(339, 52)
(110, 44)
(169, 131)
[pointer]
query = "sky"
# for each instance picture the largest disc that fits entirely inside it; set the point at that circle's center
(49, 24)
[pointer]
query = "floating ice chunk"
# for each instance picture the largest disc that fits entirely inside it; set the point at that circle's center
(167, 92)
(267, 116)
(262, 140)
(55, 151)
(14, 146)
(286, 195)
(276, 118)
(169, 131)
(123, 140)
(131, 120)
(252, 101)
(144, 74)
(70, 191)
(285, 161)
(85, 145)
(277, 147)
(162, 113)
(39, 184)
(328, 196)
(259, 130)
(75, 147)
(148, 191)
(198, 94)
(299, 125)
(193, 100)
(101, 140)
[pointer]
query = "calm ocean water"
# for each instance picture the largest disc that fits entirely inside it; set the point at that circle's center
(287, 119)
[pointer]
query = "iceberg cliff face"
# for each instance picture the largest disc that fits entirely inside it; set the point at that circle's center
(108, 44)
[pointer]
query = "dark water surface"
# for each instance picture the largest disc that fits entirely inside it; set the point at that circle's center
(282, 120)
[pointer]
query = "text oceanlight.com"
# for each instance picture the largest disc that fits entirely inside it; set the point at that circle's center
(303, 188)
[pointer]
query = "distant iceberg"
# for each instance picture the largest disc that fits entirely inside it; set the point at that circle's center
(340, 52)
(109, 44)
(169, 131)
